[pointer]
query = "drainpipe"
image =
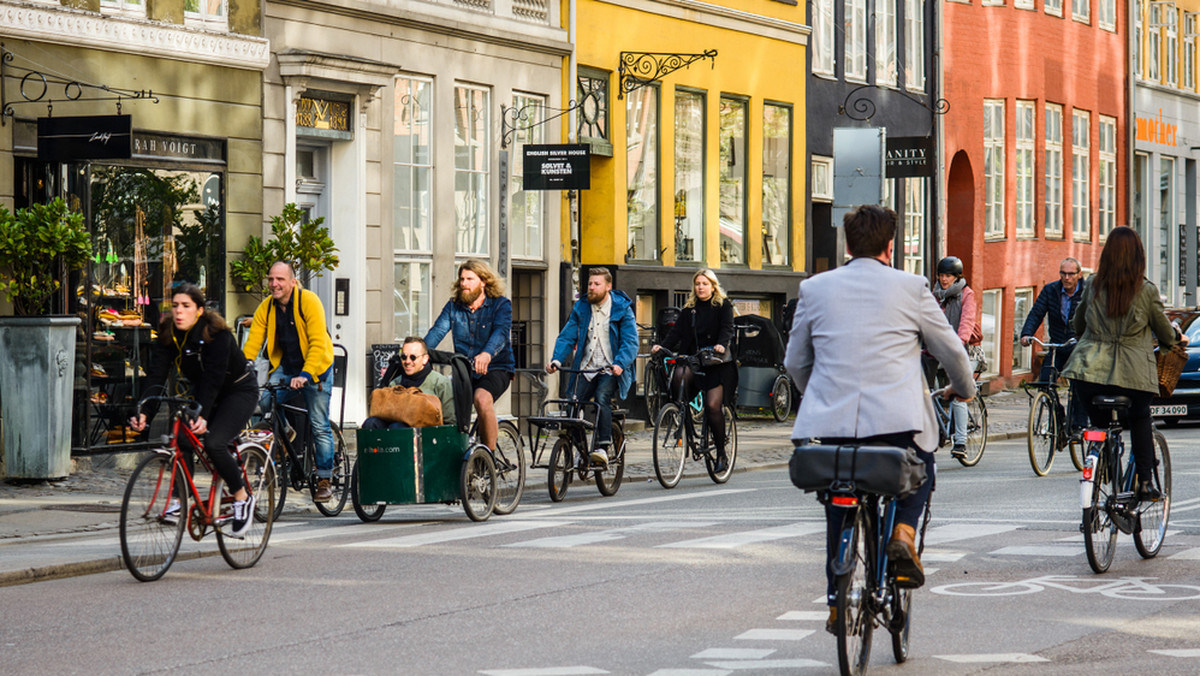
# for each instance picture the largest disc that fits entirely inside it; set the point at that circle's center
(573, 137)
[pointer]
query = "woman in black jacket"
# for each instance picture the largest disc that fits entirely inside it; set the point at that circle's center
(197, 346)
(705, 322)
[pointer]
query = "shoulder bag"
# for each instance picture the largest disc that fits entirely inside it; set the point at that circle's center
(408, 405)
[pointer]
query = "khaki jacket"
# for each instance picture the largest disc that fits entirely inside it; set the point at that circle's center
(1119, 350)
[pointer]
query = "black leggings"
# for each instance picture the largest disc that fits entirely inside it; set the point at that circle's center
(714, 399)
(229, 416)
(1137, 420)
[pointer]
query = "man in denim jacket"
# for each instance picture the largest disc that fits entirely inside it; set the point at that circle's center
(479, 318)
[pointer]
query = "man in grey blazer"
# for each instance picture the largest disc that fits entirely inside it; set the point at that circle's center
(855, 354)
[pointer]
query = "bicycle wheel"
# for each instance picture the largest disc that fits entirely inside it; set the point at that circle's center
(510, 468)
(976, 432)
(1151, 527)
(282, 468)
(901, 623)
(855, 621)
(366, 513)
(477, 484)
(1099, 530)
(670, 449)
(259, 474)
(781, 398)
(653, 392)
(710, 460)
(1043, 433)
(558, 478)
(608, 480)
(339, 479)
(149, 541)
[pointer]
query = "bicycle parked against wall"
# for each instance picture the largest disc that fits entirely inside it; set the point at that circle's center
(1108, 492)
(1050, 428)
(676, 436)
(155, 510)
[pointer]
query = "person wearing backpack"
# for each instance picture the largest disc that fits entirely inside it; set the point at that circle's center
(957, 301)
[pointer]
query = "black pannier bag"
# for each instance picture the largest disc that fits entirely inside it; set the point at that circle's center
(883, 470)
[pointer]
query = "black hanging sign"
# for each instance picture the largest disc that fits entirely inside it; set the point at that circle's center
(909, 157)
(557, 167)
(93, 137)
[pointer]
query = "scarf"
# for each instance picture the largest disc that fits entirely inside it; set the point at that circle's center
(951, 300)
(417, 379)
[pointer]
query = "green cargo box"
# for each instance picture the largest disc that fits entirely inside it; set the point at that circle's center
(410, 466)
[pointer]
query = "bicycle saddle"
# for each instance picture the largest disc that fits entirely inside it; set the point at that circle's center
(1112, 403)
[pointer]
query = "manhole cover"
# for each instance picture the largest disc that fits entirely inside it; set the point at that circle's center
(87, 507)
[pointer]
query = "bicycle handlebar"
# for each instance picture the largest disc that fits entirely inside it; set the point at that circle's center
(1053, 346)
(189, 407)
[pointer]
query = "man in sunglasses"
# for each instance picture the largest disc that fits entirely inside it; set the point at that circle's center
(416, 371)
(1057, 303)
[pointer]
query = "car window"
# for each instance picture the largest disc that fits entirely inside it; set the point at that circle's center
(1193, 333)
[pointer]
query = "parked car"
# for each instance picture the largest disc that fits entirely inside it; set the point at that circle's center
(1184, 403)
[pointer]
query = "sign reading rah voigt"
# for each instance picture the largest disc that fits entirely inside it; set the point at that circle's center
(557, 167)
(909, 157)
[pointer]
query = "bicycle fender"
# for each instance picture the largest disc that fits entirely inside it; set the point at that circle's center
(844, 561)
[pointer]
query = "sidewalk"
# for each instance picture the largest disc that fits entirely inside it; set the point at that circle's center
(69, 527)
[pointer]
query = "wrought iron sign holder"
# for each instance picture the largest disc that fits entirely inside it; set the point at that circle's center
(513, 119)
(35, 87)
(863, 108)
(638, 69)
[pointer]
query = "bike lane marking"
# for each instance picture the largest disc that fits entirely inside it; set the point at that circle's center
(609, 535)
(546, 671)
(616, 504)
(1040, 550)
(965, 531)
(1187, 555)
(734, 540)
(1189, 652)
(453, 534)
(991, 657)
(774, 635)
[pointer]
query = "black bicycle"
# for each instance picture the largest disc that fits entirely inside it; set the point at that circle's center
(1108, 491)
(1050, 428)
(286, 432)
(675, 434)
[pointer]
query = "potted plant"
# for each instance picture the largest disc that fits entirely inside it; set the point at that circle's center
(39, 246)
(306, 244)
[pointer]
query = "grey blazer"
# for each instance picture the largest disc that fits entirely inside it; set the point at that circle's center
(854, 352)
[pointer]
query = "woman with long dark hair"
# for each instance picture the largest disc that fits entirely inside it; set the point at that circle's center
(1117, 321)
(196, 345)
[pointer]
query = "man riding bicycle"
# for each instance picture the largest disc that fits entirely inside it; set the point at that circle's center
(855, 354)
(1057, 303)
(602, 332)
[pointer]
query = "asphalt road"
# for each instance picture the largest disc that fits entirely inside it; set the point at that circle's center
(702, 579)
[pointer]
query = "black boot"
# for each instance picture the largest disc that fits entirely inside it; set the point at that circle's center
(722, 463)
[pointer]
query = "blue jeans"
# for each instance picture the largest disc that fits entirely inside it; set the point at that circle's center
(600, 388)
(374, 423)
(958, 418)
(317, 402)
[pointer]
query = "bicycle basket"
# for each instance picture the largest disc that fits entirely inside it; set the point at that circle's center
(883, 470)
(1170, 365)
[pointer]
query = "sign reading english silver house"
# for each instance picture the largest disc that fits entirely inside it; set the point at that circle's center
(557, 167)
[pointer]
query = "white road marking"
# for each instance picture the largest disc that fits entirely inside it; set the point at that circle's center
(452, 534)
(805, 615)
(1187, 555)
(733, 540)
(965, 531)
(1189, 652)
(944, 557)
(609, 535)
(358, 529)
(611, 504)
(993, 657)
(733, 654)
(1040, 550)
(774, 635)
(692, 672)
(546, 671)
(769, 664)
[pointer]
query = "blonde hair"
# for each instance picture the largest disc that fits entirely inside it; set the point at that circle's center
(718, 296)
(493, 286)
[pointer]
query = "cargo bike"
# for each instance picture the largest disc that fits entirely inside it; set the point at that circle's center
(442, 464)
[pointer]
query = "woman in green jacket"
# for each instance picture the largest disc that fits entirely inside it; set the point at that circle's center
(1117, 320)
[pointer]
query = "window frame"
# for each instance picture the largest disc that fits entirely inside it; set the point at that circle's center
(1081, 206)
(915, 224)
(1053, 7)
(994, 169)
(480, 231)
(424, 237)
(1154, 44)
(698, 238)
(914, 45)
(1022, 356)
(855, 40)
(886, 43)
(1025, 131)
(1107, 179)
(824, 56)
(991, 338)
(651, 189)
(821, 165)
(1107, 15)
(531, 132)
(207, 20)
(1081, 11)
(785, 230)
(744, 212)
(1171, 46)
(1052, 170)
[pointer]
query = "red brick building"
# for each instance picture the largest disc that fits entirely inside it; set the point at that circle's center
(1034, 146)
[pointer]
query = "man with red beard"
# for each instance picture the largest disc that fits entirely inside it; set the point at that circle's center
(602, 332)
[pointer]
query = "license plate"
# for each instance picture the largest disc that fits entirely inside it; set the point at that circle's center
(1168, 410)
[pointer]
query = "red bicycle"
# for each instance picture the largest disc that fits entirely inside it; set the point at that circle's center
(155, 510)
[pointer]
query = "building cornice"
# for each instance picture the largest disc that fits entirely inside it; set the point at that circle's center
(75, 28)
(721, 17)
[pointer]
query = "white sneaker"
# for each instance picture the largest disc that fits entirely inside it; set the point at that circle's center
(599, 456)
(243, 515)
(171, 515)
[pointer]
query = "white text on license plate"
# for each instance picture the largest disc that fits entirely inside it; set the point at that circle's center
(1172, 409)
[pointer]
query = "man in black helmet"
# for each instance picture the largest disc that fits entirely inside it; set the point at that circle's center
(957, 301)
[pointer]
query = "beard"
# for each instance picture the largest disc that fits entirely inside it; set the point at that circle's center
(596, 298)
(469, 297)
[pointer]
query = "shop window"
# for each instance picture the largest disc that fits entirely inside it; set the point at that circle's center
(133, 8)
(472, 156)
(592, 90)
(777, 184)
(207, 14)
(990, 320)
(527, 208)
(1022, 302)
(914, 225)
(689, 176)
(732, 216)
(1167, 245)
(411, 299)
(641, 157)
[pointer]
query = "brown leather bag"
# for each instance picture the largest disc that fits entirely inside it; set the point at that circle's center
(408, 405)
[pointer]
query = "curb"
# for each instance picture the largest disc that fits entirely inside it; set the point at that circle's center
(65, 570)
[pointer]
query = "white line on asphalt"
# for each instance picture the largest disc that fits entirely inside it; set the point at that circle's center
(1190, 652)
(733, 540)
(993, 657)
(965, 531)
(611, 504)
(1040, 550)
(942, 556)
(773, 635)
(692, 672)
(608, 535)
(352, 530)
(1187, 555)
(545, 671)
(733, 654)
(1189, 501)
(804, 615)
(1175, 509)
(464, 533)
(768, 664)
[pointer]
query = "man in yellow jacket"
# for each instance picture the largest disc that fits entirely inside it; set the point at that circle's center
(292, 324)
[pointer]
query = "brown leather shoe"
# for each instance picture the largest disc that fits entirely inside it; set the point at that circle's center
(902, 551)
(324, 493)
(831, 623)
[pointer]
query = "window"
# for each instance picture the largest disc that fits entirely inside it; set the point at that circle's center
(1139, 215)
(1053, 170)
(993, 167)
(1137, 42)
(885, 42)
(1171, 47)
(776, 184)
(411, 299)
(1189, 50)
(1108, 175)
(136, 8)
(1166, 225)
(822, 178)
(1108, 14)
(994, 3)
(1053, 7)
(593, 110)
(1026, 127)
(527, 208)
(1022, 302)
(731, 220)
(822, 37)
(1081, 10)
(472, 153)
(989, 318)
(1154, 43)
(689, 176)
(1023, 4)
(641, 163)
(856, 40)
(412, 165)
(914, 225)
(209, 14)
(1081, 224)
(914, 44)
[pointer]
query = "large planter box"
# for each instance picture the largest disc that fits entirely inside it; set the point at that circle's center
(37, 370)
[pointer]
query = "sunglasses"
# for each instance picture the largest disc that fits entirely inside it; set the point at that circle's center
(410, 357)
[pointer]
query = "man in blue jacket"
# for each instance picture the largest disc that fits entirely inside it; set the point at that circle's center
(602, 332)
(1057, 303)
